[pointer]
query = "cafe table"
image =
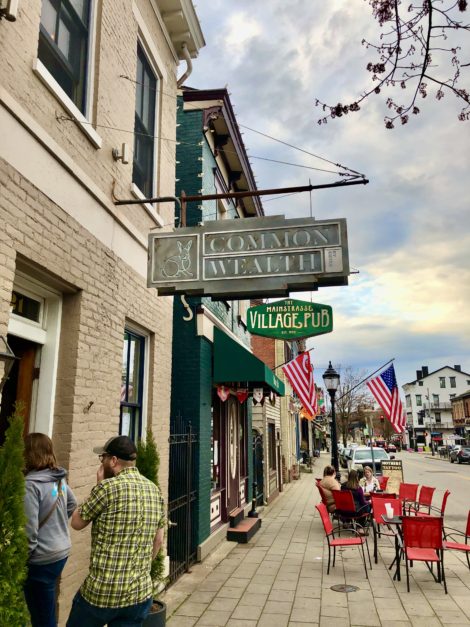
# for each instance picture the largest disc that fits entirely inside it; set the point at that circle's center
(395, 521)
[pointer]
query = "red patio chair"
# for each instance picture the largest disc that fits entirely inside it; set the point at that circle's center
(378, 510)
(439, 511)
(383, 482)
(458, 546)
(324, 500)
(422, 542)
(333, 542)
(346, 509)
(424, 501)
(408, 493)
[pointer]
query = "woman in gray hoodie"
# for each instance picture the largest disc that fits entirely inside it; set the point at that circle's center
(49, 503)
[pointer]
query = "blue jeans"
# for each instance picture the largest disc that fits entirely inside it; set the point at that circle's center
(40, 592)
(85, 614)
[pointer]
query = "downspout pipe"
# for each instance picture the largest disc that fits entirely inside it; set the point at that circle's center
(189, 66)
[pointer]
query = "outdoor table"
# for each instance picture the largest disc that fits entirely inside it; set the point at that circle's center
(395, 521)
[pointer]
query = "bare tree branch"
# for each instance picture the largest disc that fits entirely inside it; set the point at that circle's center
(418, 39)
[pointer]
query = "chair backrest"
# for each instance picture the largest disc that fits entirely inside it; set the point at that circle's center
(424, 532)
(327, 524)
(344, 500)
(379, 509)
(322, 494)
(444, 502)
(383, 482)
(408, 491)
(467, 529)
(425, 495)
(384, 495)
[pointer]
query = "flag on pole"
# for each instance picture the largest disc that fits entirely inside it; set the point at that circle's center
(385, 390)
(299, 371)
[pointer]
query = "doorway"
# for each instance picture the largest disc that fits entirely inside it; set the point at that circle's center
(19, 386)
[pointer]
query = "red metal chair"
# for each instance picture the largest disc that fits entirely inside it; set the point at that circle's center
(378, 510)
(333, 542)
(346, 509)
(424, 501)
(422, 542)
(383, 482)
(324, 500)
(458, 546)
(408, 493)
(436, 510)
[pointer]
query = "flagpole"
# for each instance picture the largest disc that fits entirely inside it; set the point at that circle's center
(365, 378)
(371, 427)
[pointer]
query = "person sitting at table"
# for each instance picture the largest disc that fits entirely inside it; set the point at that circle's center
(352, 484)
(369, 483)
(329, 483)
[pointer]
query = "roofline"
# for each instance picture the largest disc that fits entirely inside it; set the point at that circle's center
(434, 372)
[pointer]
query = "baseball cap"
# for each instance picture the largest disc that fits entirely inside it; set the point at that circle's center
(120, 446)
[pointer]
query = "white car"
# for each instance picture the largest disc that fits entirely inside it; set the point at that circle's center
(362, 456)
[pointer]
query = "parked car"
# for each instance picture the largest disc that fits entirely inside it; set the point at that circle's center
(362, 456)
(391, 448)
(460, 456)
(345, 456)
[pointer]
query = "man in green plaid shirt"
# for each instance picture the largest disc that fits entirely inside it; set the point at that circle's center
(127, 514)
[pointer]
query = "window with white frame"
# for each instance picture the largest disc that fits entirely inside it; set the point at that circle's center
(453, 383)
(64, 43)
(442, 382)
(132, 385)
(144, 126)
(419, 400)
(408, 400)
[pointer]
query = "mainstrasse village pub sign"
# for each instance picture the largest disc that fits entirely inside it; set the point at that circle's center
(289, 319)
(268, 256)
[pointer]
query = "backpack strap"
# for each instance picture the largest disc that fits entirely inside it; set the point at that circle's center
(54, 507)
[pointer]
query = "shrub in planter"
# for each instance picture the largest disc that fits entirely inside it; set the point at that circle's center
(148, 462)
(13, 541)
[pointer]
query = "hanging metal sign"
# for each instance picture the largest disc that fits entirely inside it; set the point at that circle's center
(268, 256)
(289, 319)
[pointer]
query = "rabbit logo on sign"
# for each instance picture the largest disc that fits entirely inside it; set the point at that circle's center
(178, 265)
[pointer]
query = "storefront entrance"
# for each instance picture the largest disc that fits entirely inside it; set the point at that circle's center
(19, 387)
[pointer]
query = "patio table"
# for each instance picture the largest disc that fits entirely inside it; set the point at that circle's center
(395, 521)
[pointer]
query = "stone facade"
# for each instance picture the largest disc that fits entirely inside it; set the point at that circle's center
(65, 244)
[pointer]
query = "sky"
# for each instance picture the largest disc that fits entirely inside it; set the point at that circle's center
(408, 229)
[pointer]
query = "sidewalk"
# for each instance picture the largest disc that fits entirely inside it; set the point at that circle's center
(279, 579)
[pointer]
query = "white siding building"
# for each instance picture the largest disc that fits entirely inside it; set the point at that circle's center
(428, 404)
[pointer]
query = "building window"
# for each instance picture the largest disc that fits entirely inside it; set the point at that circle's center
(451, 396)
(420, 383)
(132, 379)
(420, 419)
(408, 400)
(144, 126)
(437, 416)
(442, 382)
(453, 383)
(272, 445)
(419, 400)
(63, 45)
(435, 400)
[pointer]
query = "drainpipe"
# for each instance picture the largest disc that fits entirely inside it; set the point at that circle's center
(189, 65)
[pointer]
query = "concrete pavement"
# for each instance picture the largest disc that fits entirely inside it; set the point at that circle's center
(279, 579)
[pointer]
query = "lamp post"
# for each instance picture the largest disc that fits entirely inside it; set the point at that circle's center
(331, 380)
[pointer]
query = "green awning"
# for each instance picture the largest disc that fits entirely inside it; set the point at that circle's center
(235, 364)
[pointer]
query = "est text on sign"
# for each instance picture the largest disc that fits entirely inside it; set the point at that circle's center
(268, 256)
(290, 319)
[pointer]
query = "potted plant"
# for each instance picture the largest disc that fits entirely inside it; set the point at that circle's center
(148, 462)
(13, 541)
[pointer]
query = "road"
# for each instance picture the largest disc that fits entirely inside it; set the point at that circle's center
(441, 474)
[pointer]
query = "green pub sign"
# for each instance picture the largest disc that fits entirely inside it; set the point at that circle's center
(290, 319)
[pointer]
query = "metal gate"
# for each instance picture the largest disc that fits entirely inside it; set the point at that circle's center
(182, 499)
(258, 466)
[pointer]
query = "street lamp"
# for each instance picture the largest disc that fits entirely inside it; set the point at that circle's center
(331, 380)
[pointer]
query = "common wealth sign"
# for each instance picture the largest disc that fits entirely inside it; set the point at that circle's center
(290, 319)
(268, 256)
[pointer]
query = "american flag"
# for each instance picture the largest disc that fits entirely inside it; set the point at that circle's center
(385, 390)
(299, 371)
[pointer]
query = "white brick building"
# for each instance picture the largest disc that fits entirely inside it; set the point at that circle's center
(428, 403)
(77, 79)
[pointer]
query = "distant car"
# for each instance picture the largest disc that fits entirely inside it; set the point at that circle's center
(391, 448)
(345, 457)
(460, 456)
(362, 456)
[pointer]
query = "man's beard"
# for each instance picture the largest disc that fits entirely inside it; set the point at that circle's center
(108, 472)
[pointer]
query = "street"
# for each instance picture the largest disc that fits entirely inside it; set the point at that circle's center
(441, 474)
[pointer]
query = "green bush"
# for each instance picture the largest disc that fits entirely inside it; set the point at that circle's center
(13, 541)
(148, 463)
